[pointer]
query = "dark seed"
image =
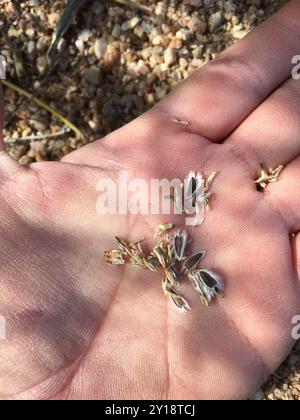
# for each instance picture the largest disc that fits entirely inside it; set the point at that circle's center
(208, 279)
(193, 260)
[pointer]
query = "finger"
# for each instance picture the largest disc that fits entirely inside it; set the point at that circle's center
(285, 196)
(219, 97)
(1, 118)
(271, 133)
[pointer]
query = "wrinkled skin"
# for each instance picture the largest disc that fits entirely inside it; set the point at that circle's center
(77, 328)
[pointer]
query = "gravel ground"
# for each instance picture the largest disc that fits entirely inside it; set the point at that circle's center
(115, 63)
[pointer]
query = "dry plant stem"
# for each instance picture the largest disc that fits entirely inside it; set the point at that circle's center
(43, 105)
(45, 136)
(134, 5)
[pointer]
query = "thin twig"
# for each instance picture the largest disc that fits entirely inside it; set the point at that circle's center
(38, 137)
(43, 105)
(134, 5)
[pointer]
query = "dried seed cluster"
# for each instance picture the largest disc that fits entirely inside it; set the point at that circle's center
(171, 255)
(268, 175)
(198, 189)
(193, 196)
(129, 253)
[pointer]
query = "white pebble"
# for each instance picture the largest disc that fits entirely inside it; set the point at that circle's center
(84, 35)
(161, 9)
(133, 22)
(141, 69)
(100, 47)
(196, 25)
(170, 56)
(30, 33)
(30, 47)
(79, 45)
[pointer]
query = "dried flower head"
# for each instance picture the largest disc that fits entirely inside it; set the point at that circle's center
(164, 228)
(207, 283)
(191, 262)
(170, 291)
(193, 196)
(123, 246)
(180, 242)
(163, 252)
(138, 258)
(268, 175)
(194, 186)
(171, 255)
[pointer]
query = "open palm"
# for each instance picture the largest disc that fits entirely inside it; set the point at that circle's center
(77, 328)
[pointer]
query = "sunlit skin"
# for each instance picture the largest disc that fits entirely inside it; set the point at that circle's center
(80, 329)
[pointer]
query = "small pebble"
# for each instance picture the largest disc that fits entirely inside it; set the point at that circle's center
(92, 75)
(30, 47)
(42, 64)
(197, 25)
(215, 21)
(84, 35)
(170, 56)
(100, 48)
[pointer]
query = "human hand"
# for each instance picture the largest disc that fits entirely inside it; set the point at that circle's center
(79, 329)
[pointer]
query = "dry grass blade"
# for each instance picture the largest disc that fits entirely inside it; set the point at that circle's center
(71, 9)
(210, 180)
(43, 105)
(134, 5)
